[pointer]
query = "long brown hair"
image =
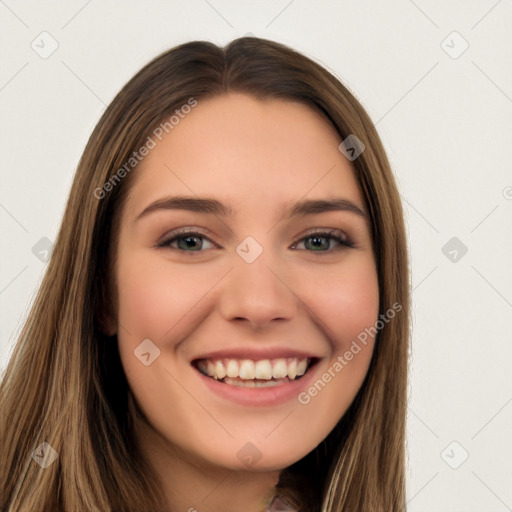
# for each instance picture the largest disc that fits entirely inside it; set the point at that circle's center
(65, 385)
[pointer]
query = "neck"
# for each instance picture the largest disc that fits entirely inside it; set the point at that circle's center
(191, 484)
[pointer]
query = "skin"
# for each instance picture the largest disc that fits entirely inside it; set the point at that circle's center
(257, 156)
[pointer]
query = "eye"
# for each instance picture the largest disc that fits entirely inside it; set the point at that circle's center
(320, 241)
(189, 240)
(186, 240)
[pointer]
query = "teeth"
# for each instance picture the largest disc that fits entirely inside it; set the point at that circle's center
(232, 368)
(292, 369)
(301, 367)
(251, 383)
(279, 370)
(249, 370)
(246, 369)
(263, 370)
(220, 371)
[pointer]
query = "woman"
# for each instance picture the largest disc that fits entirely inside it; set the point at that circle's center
(196, 344)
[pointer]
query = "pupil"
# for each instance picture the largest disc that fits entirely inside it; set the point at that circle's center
(317, 241)
(189, 241)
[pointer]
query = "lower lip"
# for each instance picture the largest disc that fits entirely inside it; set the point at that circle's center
(259, 397)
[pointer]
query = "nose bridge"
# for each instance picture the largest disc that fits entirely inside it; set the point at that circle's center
(256, 290)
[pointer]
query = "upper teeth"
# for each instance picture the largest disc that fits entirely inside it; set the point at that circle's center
(248, 369)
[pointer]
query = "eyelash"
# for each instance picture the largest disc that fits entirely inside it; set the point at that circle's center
(330, 234)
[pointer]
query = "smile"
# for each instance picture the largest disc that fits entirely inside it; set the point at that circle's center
(254, 373)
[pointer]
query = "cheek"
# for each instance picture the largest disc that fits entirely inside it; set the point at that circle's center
(347, 306)
(154, 300)
(346, 302)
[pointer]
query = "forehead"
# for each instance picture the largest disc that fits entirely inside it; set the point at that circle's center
(245, 150)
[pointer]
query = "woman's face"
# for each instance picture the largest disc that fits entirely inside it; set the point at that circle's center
(267, 285)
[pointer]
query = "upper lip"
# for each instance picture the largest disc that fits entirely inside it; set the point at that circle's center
(256, 354)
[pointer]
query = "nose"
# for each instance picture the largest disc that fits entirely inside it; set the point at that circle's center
(258, 293)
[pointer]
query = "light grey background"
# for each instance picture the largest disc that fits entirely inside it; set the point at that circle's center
(444, 117)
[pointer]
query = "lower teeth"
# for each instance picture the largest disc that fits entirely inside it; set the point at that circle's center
(254, 383)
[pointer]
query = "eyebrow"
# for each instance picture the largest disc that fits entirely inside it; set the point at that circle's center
(215, 207)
